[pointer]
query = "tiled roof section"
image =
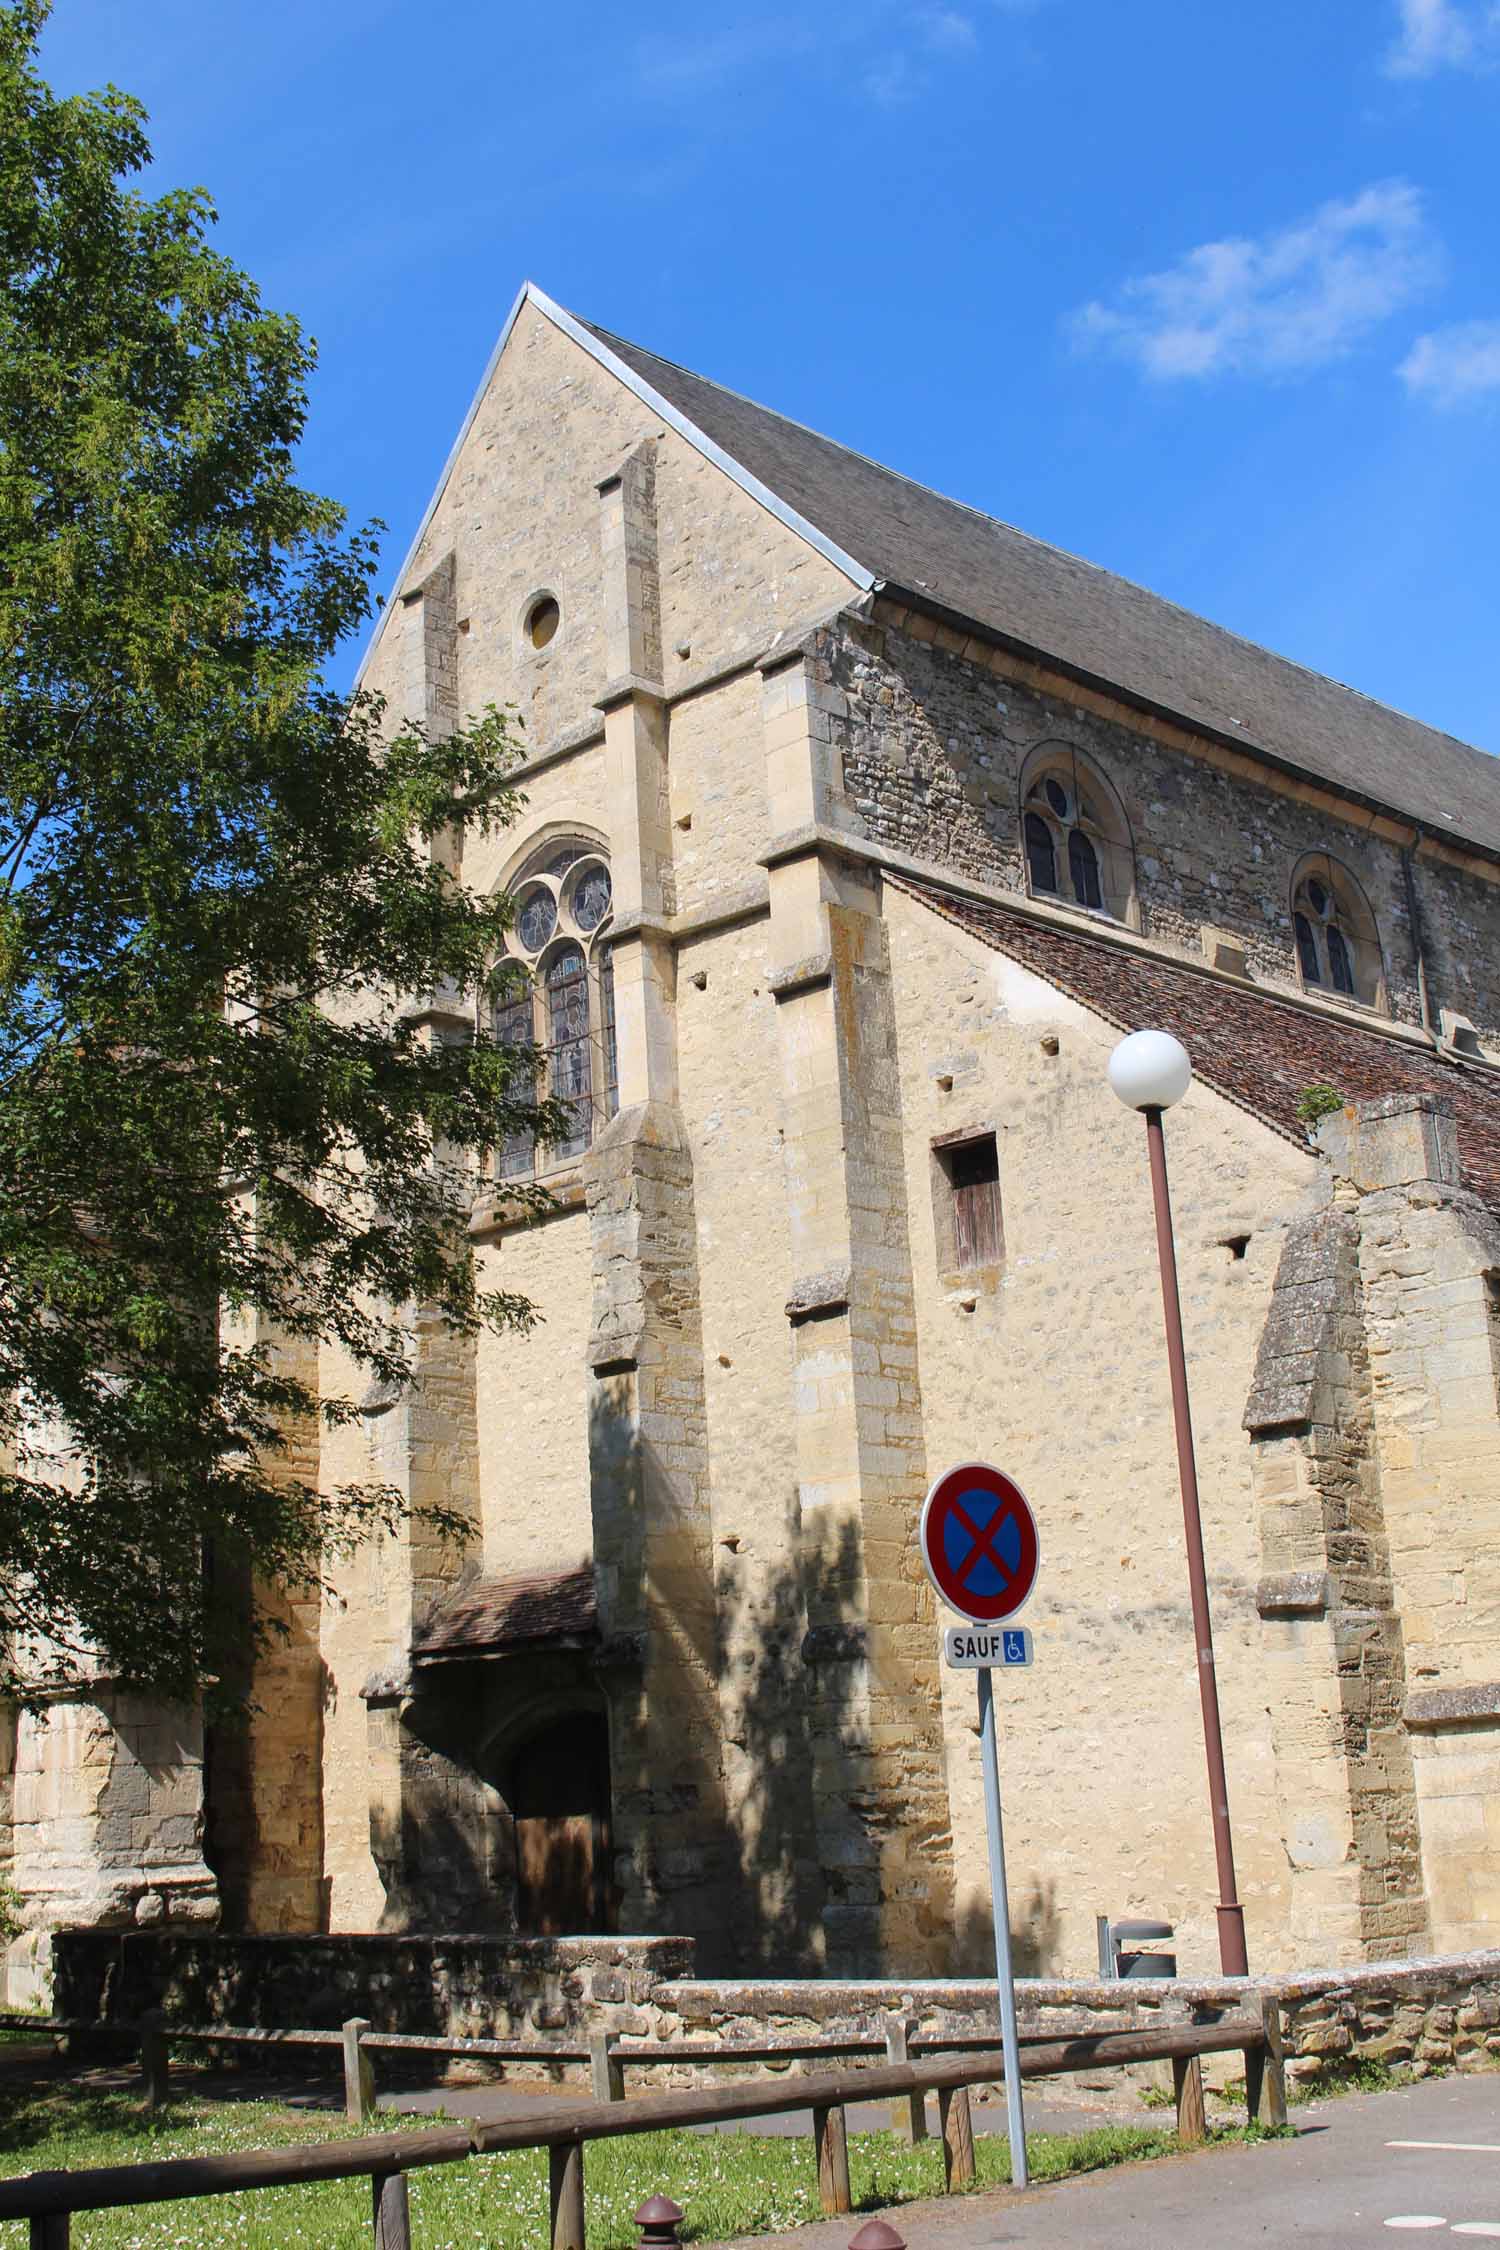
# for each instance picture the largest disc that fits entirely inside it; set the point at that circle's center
(1089, 621)
(1259, 1051)
(491, 1615)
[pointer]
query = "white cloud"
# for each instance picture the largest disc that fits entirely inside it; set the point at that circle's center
(891, 52)
(891, 80)
(1439, 35)
(946, 32)
(1454, 366)
(673, 69)
(1276, 304)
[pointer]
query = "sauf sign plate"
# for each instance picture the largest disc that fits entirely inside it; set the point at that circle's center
(969, 1648)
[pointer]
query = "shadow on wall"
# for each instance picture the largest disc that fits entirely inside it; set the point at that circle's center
(1035, 1928)
(748, 1811)
(805, 1819)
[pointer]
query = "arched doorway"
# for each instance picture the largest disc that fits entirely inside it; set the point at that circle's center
(559, 1799)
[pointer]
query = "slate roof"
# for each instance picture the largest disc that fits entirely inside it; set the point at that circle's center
(1089, 622)
(1260, 1051)
(490, 1616)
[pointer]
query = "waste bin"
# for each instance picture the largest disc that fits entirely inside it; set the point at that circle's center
(1118, 1944)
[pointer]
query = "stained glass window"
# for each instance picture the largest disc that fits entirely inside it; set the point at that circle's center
(1077, 842)
(1340, 967)
(1041, 857)
(591, 897)
(568, 1011)
(1337, 947)
(569, 1072)
(513, 1028)
(537, 918)
(1083, 867)
(608, 1041)
(1307, 950)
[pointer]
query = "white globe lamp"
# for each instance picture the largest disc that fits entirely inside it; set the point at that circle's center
(1150, 1070)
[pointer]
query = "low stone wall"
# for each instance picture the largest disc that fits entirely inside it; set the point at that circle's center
(469, 1987)
(1414, 2015)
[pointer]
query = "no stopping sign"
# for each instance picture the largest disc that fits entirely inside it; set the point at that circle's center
(979, 1542)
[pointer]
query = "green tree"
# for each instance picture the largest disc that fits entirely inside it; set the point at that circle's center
(215, 887)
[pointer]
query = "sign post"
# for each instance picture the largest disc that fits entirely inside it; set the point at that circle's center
(979, 1543)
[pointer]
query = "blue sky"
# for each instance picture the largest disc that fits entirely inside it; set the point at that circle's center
(1210, 295)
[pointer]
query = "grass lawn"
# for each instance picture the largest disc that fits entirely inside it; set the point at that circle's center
(728, 2184)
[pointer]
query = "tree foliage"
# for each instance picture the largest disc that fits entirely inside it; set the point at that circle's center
(218, 1122)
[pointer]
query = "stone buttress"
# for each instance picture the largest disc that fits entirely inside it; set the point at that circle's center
(263, 1766)
(879, 1794)
(1375, 1427)
(1335, 1663)
(430, 1834)
(648, 1450)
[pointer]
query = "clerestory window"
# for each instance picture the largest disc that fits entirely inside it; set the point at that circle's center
(560, 998)
(1338, 947)
(1076, 836)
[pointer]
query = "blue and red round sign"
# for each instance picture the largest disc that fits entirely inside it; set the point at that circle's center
(979, 1542)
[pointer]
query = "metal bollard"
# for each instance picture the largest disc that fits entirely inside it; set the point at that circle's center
(875, 2234)
(658, 2220)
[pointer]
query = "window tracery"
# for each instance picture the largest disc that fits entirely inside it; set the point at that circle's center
(1338, 946)
(1077, 839)
(560, 998)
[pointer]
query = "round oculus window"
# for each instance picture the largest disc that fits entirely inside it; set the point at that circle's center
(542, 621)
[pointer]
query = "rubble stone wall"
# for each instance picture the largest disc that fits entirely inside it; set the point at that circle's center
(934, 734)
(1416, 2016)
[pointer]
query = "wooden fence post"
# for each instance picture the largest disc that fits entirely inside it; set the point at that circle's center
(958, 2137)
(831, 2146)
(565, 2193)
(606, 2072)
(392, 2211)
(52, 2233)
(908, 2111)
(1187, 2081)
(1275, 2061)
(359, 2072)
(154, 2063)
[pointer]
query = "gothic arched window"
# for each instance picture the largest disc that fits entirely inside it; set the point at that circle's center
(1338, 946)
(1077, 838)
(560, 997)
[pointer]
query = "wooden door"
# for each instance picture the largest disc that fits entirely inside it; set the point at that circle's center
(559, 1797)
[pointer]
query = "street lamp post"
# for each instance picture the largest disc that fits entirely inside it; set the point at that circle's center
(1149, 1071)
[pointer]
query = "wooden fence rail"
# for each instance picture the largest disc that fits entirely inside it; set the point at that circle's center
(48, 2199)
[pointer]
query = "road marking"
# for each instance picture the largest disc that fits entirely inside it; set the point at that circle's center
(1417, 2219)
(1477, 2226)
(1464, 2148)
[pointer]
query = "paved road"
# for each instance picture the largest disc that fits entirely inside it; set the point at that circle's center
(1346, 2182)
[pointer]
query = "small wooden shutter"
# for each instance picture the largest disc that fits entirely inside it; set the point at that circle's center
(974, 1169)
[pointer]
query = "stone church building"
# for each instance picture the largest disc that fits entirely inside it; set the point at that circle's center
(858, 828)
